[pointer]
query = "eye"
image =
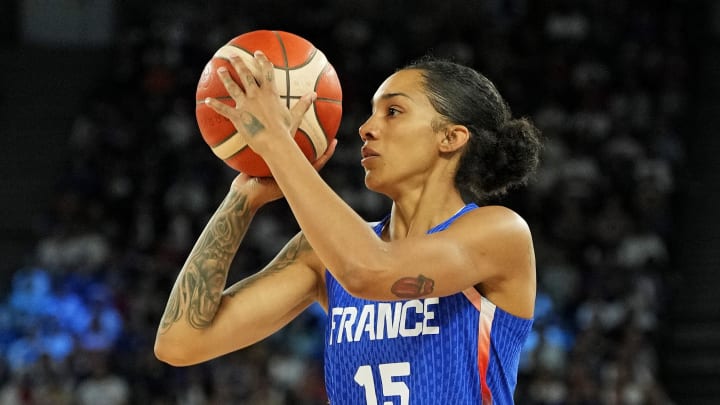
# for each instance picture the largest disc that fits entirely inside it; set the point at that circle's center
(392, 111)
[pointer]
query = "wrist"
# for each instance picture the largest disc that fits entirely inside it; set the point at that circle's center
(284, 154)
(253, 192)
(242, 194)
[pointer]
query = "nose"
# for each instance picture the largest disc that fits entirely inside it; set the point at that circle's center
(367, 130)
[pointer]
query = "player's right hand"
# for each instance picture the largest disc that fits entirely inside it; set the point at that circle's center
(262, 190)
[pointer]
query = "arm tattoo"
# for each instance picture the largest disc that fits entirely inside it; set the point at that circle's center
(286, 257)
(413, 287)
(251, 123)
(198, 290)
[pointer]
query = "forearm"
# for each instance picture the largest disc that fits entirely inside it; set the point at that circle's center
(340, 237)
(197, 293)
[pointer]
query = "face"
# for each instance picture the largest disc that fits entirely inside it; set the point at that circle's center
(399, 144)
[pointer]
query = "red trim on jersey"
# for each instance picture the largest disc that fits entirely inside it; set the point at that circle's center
(486, 313)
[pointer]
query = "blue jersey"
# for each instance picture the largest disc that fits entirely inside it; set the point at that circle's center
(458, 350)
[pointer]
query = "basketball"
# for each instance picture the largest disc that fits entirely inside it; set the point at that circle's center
(299, 69)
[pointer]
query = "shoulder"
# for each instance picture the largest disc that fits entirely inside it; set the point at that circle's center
(501, 242)
(497, 219)
(498, 238)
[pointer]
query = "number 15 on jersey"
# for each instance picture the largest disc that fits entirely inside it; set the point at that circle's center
(390, 387)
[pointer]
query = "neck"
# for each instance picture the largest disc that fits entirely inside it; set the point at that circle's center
(414, 215)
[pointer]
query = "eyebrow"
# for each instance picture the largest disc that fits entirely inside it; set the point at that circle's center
(386, 96)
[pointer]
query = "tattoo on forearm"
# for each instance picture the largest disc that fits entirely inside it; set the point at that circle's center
(286, 257)
(197, 292)
(413, 287)
(251, 123)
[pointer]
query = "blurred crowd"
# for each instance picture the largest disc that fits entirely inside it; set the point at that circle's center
(606, 82)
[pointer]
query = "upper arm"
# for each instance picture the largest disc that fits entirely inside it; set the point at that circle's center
(486, 245)
(262, 303)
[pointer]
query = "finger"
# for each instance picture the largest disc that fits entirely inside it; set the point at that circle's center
(247, 78)
(266, 69)
(219, 107)
(230, 85)
(320, 162)
(299, 109)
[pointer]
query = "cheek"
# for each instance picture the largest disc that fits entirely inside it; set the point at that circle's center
(420, 147)
(409, 160)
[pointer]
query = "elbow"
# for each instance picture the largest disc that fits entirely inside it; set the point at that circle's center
(163, 355)
(172, 353)
(360, 275)
(355, 287)
(358, 280)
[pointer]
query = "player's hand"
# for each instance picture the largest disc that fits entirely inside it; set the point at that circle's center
(262, 190)
(258, 115)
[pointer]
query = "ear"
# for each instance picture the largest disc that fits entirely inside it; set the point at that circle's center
(454, 138)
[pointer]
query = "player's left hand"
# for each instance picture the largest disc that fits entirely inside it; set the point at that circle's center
(259, 115)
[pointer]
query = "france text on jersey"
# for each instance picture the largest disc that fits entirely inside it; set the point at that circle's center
(384, 320)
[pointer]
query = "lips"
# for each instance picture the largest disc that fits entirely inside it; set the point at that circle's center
(368, 152)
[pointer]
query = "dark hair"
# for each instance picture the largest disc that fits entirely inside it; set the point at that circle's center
(502, 151)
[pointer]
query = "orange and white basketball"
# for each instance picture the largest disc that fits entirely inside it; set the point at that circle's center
(299, 69)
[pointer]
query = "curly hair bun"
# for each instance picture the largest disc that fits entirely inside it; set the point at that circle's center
(514, 158)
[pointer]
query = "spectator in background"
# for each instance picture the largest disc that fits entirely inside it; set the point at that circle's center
(102, 385)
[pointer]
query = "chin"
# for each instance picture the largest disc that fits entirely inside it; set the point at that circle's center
(374, 183)
(371, 181)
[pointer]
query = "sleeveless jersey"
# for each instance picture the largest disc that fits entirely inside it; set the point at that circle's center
(460, 349)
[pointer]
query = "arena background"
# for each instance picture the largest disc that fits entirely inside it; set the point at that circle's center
(106, 183)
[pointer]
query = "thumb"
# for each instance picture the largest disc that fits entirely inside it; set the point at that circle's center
(300, 108)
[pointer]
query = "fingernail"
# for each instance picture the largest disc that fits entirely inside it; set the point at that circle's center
(222, 69)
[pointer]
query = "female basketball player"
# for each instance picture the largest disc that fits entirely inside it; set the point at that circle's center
(432, 304)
